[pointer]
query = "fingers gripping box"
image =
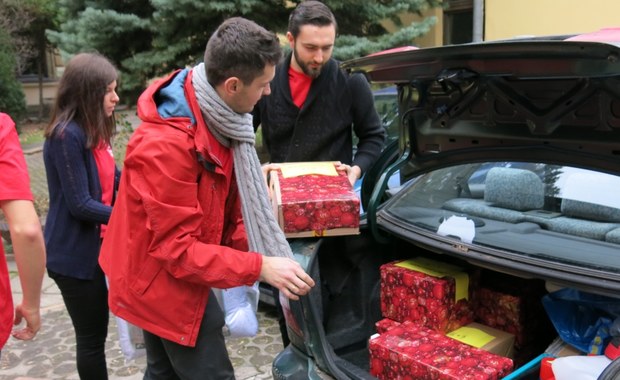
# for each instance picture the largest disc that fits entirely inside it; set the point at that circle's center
(427, 292)
(314, 199)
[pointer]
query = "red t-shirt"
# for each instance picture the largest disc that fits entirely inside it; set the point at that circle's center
(300, 85)
(14, 184)
(106, 168)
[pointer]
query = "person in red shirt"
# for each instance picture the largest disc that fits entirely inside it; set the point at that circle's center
(315, 107)
(26, 238)
(81, 178)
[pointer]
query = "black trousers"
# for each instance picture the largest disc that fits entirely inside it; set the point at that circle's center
(208, 360)
(87, 304)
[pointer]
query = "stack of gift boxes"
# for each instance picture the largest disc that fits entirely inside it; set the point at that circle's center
(441, 323)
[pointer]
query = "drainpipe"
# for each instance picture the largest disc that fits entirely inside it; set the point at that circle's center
(478, 32)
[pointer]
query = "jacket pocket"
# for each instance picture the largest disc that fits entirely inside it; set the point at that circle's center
(150, 268)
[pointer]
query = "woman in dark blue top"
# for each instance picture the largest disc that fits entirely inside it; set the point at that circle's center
(82, 178)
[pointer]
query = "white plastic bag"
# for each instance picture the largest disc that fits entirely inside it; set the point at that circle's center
(239, 305)
(579, 367)
(131, 339)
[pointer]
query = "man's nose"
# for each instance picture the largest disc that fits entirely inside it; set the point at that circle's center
(267, 90)
(319, 56)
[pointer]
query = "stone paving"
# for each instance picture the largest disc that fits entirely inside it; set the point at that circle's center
(51, 355)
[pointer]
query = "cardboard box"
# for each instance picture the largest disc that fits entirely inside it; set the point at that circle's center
(428, 292)
(558, 348)
(487, 338)
(410, 351)
(313, 199)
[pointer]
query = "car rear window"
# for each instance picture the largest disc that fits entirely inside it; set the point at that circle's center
(561, 214)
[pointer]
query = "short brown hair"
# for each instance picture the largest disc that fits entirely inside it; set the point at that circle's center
(240, 48)
(310, 12)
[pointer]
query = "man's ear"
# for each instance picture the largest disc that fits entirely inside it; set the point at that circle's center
(232, 85)
(291, 39)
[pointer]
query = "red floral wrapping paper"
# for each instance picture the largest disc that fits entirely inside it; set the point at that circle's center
(502, 311)
(316, 205)
(513, 305)
(385, 324)
(410, 295)
(410, 351)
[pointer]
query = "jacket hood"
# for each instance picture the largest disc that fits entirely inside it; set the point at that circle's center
(164, 102)
(171, 103)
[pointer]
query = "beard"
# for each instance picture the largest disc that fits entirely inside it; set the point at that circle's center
(312, 73)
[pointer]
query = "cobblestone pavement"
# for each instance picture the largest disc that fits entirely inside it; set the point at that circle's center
(51, 355)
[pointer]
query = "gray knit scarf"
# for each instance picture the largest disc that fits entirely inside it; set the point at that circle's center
(236, 130)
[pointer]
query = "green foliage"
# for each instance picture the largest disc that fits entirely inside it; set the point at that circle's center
(24, 22)
(12, 99)
(30, 137)
(124, 130)
(146, 39)
(350, 46)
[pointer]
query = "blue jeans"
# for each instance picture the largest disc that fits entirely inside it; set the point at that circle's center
(208, 360)
(87, 304)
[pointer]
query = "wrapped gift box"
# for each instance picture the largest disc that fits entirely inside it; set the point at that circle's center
(410, 351)
(500, 310)
(385, 324)
(512, 305)
(314, 199)
(428, 292)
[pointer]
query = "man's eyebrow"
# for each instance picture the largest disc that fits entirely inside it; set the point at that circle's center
(313, 45)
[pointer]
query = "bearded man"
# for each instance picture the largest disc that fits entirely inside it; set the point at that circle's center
(314, 106)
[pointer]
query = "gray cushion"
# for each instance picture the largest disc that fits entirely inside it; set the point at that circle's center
(591, 211)
(516, 189)
(613, 236)
(478, 207)
(575, 227)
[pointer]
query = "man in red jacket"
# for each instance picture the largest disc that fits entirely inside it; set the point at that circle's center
(192, 211)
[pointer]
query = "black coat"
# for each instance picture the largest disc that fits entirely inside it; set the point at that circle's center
(337, 104)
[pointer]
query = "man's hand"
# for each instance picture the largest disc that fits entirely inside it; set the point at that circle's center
(286, 275)
(33, 322)
(266, 169)
(353, 172)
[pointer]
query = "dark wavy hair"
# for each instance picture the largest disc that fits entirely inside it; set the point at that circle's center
(310, 12)
(240, 48)
(80, 96)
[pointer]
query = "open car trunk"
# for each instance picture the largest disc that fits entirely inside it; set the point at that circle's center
(519, 142)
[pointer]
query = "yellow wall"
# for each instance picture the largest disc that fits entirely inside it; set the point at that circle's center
(511, 18)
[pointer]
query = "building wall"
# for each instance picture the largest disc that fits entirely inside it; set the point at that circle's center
(512, 18)
(30, 84)
(31, 90)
